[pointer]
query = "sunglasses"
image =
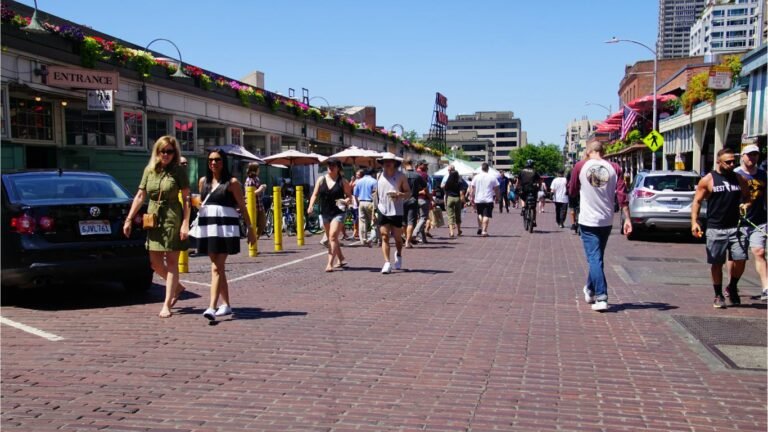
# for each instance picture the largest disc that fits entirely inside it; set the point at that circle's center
(168, 152)
(212, 160)
(729, 162)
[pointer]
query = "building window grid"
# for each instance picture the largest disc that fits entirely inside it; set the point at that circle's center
(184, 130)
(90, 128)
(133, 130)
(30, 119)
(4, 119)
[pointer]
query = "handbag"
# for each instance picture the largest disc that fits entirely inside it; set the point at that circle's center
(149, 220)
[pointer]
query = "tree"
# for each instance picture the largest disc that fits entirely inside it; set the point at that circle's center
(547, 158)
(412, 136)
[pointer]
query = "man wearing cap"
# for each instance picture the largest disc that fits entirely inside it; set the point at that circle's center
(754, 223)
(416, 185)
(424, 201)
(391, 190)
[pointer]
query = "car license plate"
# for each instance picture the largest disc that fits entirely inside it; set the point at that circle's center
(95, 227)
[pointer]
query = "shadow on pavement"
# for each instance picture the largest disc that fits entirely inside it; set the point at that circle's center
(752, 305)
(84, 296)
(640, 306)
(405, 270)
(241, 313)
(667, 237)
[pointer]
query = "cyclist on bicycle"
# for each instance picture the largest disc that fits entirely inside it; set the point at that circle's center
(528, 183)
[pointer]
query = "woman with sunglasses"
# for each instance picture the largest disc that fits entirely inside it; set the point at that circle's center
(218, 227)
(335, 194)
(162, 180)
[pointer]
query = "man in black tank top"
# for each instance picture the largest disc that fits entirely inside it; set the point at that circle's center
(725, 192)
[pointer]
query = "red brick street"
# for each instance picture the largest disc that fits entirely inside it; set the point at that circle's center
(478, 334)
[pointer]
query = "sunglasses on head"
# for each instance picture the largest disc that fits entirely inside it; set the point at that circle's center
(168, 152)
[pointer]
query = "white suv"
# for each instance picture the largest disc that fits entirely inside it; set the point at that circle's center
(662, 200)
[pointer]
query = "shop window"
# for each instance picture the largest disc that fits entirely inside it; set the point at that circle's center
(184, 129)
(237, 136)
(31, 119)
(133, 129)
(4, 112)
(157, 126)
(210, 136)
(90, 128)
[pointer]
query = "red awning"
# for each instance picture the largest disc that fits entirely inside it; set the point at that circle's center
(607, 127)
(614, 118)
(646, 102)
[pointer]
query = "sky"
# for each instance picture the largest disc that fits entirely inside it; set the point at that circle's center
(543, 60)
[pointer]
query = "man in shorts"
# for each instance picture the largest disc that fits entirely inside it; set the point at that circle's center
(727, 194)
(391, 189)
(754, 224)
(485, 193)
(417, 186)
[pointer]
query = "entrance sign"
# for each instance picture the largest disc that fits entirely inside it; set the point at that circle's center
(69, 78)
(654, 140)
(101, 100)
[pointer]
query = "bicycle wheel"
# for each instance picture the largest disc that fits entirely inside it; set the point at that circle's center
(525, 220)
(312, 224)
(531, 219)
(269, 226)
(290, 224)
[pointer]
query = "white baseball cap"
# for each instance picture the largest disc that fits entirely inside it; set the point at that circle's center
(750, 149)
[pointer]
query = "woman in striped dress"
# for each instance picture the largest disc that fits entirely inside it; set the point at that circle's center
(218, 230)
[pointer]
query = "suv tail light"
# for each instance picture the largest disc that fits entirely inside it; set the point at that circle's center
(23, 224)
(640, 193)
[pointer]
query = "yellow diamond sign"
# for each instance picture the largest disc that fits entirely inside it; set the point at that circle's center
(654, 140)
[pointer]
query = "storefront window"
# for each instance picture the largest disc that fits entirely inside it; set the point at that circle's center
(133, 129)
(237, 136)
(156, 127)
(3, 113)
(185, 133)
(31, 119)
(210, 136)
(90, 128)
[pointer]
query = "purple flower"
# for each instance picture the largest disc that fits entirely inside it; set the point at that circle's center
(72, 32)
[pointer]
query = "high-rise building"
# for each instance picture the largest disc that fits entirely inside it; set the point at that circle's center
(676, 17)
(502, 128)
(472, 148)
(728, 27)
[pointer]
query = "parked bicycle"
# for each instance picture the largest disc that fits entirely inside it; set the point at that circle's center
(289, 220)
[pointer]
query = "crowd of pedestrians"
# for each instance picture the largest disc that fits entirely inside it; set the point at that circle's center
(397, 204)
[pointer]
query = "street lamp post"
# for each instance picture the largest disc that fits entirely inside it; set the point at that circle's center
(178, 74)
(655, 76)
(328, 114)
(607, 108)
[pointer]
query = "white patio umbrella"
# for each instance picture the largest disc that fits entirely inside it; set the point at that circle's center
(236, 151)
(291, 158)
(357, 156)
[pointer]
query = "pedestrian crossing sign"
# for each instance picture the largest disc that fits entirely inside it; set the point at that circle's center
(654, 140)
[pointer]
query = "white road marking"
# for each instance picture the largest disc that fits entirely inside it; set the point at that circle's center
(29, 329)
(262, 271)
(623, 274)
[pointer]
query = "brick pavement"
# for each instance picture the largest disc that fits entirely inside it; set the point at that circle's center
(479, 334)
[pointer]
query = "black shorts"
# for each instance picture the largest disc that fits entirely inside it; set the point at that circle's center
(484, 209)
(393, 221)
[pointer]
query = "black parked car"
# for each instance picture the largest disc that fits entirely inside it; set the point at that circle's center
(67, 225)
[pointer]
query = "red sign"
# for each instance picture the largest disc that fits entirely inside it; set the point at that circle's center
(442, 118)
(441, 100)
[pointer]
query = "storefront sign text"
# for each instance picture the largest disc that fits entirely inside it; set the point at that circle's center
(82, 78)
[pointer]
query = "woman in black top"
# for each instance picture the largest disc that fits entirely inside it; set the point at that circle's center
(454, 198)
(335, 195)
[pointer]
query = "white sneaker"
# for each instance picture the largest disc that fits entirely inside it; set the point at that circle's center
(600, 306)
(210, 314)
(398, 262)
(224, 310)
(764, 295)
(588, 297)
(387, 269)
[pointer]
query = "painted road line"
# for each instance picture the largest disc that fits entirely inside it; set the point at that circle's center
(623, 274)
(194, 283)
(290, 263)
(30, 329)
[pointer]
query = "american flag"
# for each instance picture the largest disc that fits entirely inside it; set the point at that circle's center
(628, 119)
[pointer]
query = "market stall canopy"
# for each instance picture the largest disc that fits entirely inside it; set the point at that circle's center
(645, 103)
(236, 151)
(357, 156)
(491, 170)
(461, 167)
(292, 158)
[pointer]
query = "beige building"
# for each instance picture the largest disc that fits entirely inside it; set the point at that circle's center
(473, 148)
(576, 135)
(501, 128)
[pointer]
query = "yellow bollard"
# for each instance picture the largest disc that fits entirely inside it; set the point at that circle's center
(250, 203)
(183, 255)
(277, 205)
(300, 215)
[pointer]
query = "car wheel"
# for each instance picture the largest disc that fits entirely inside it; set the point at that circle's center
(140, 282)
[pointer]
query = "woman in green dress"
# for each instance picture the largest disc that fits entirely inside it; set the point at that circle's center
(162, 181)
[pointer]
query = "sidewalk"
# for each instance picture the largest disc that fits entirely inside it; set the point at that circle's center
(477, 334)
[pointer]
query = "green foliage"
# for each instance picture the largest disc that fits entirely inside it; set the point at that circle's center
(733, 62)
(90, 51)
(245, 98)
(633, 136)
(412, 135)
(673, 105)
(697, 91)
(547, 158)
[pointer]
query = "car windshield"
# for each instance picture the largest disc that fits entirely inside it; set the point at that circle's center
(67, 187)
(675, 183)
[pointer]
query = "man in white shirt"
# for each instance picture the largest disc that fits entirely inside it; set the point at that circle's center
(560, 198)
(484, 192)
(597, 181)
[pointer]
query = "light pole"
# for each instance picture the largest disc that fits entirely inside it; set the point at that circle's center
(328, 115)
(35, 26)
(178, 74)
(655, 76)
(607, 108)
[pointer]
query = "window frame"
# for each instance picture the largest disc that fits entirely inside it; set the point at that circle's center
(75, 105)
(123, 144)
(194, 149)
(55, 120)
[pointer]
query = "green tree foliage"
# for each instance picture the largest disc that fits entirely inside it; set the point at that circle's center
(697, 91)
(547, 158)
(412, 136)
